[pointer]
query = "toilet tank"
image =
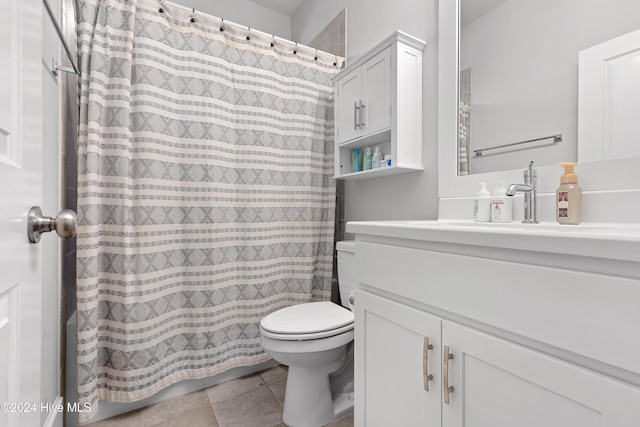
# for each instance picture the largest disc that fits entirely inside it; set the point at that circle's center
(346, 269)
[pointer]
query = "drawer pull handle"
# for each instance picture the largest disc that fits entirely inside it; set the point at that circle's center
(356, 111)
(447, 389)
(426, 376)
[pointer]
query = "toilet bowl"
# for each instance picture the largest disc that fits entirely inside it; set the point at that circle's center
(315, 340)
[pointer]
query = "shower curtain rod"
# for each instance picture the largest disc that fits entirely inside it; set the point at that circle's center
(54, 65)
(253, 30)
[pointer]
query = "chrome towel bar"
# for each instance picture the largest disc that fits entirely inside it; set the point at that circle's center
(556, 138)
(54, 65)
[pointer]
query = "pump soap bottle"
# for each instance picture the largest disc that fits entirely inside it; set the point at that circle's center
(569, 197)
(501, 210)
(481, 205)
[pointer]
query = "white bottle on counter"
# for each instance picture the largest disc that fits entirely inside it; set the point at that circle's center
(481, 204)
(501, 210)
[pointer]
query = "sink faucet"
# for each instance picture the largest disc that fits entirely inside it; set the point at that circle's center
(529, 190)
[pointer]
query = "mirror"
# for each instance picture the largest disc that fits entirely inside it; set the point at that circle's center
(454, 190)
(518, 68)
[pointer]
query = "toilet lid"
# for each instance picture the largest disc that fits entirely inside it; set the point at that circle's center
(307, 318)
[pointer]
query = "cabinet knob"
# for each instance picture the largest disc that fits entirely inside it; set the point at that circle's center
(447, 389)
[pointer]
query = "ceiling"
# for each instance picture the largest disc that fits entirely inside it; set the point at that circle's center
(472, 9)
(286, 7)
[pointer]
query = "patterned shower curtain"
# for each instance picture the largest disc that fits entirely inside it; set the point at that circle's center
(205, 193)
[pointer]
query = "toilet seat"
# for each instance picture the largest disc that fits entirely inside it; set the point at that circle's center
(307, 321)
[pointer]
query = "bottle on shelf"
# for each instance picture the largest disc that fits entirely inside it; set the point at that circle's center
(366, 164)
(376, 159)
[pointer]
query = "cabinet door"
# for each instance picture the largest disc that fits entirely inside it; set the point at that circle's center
(376, 93)
(390, 366)
(349, 94)
(499, 383)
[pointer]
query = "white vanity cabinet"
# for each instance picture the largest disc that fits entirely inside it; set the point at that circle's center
(495, 382)
(394, 362)
(378, 101)
(536, 341)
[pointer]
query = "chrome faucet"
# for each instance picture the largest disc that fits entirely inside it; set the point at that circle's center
(529, 190)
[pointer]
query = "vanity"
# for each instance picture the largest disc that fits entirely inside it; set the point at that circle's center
(499, 325)
(460, 323)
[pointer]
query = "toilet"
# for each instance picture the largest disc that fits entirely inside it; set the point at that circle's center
(315, 340)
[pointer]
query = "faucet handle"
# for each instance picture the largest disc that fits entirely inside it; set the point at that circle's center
(530, 171)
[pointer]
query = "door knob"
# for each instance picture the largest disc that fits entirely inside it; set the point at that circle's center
(64, 224)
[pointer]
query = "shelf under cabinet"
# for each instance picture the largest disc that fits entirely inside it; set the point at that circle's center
(373, 173)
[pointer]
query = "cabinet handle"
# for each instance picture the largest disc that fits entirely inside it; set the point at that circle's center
(426, 376)
(445, 374)
(356, 110)
(361, 114)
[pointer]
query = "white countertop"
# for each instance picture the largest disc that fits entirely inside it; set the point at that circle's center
(617, 241)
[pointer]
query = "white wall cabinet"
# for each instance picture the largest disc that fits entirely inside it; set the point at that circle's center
(365, 99)
(533, 344)
(379, 102)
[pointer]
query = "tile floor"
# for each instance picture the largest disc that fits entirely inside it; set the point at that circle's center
(252, 401)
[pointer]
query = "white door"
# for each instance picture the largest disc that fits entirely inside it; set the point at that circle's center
(609, 99)
(393, 363)
(499, 383)
(21, 183)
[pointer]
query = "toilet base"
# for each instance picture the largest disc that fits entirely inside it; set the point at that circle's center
(327, 393)
(315, 407)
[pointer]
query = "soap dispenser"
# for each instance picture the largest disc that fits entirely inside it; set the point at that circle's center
(481, 205)
(501, 210)
(569, 197)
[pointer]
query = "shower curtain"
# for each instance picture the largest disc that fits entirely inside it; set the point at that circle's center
(205, 193)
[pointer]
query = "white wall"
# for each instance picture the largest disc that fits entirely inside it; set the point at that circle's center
(413, 195)
(244, 12)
